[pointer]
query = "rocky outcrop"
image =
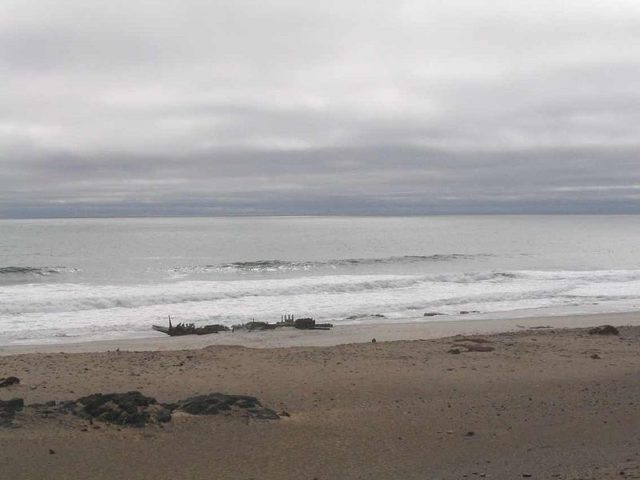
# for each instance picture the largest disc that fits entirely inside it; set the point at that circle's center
(133, 409)
(7, 382)
(215, 403)
(129, 409)
(604, 330)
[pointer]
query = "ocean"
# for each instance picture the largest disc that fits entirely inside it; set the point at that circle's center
(67, 280)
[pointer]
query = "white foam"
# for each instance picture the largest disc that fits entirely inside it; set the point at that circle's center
(41, 311)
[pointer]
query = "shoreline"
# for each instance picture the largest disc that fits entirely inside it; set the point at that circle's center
(339, 335)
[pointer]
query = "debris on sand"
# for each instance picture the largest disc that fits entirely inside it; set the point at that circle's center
(7, 382)
(604, 330)
(189, 329)
(433, 314)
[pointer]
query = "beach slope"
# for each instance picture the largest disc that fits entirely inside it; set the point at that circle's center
(538, 403)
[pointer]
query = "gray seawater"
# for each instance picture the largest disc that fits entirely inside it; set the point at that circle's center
(85, 279)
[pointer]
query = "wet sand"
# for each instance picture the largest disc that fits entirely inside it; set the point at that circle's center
(381, 330)
(538, 405)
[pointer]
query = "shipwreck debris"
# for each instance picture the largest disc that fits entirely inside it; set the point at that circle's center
(180, 329)
(189, 329)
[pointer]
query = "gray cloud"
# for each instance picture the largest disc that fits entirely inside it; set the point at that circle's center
(200, 107)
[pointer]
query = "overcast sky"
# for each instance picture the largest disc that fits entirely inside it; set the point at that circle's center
(200, 107)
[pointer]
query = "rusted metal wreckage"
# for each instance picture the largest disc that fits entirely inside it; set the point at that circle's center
(189, 329)
(285, 321)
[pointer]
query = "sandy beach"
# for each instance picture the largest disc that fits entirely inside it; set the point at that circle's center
(543, 403)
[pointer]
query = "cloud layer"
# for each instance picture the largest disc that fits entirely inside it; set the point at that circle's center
(202, 107)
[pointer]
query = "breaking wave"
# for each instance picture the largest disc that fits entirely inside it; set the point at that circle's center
(435, 290)
(262, 266)
(43, 310)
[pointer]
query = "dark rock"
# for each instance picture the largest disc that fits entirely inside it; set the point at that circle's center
(604, 330)
(469, 434)
(284, 413)
(454, 351)
(8, 409)
(130, 409)
(595, 356)
(215, 403)
(7, 382)
(51, 452)
(373, 340)
(433, 314)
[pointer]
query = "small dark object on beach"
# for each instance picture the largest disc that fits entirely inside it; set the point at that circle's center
(604, 330)
(373, 340)
(466, 312)
(454, 351)
(469, 434)
(52, 452)
(7, 382)
(433, 314)
(595, 356)
(474, 347)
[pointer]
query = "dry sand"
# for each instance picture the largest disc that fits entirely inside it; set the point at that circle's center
(537, 405)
